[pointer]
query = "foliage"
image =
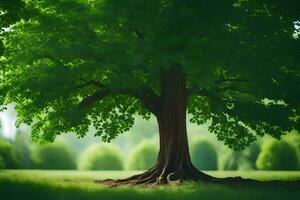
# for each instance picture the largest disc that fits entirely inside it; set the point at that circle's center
(239, 160)
(251, 154)
(143, 156)
(2, 163)
(21, 145)
(101, 157)
(10, 12)
(204, 154)
(277, 155)
(52, 156)
(142, 130)
(8, 155)
(229, 160)
(294, 139)
(78, 63)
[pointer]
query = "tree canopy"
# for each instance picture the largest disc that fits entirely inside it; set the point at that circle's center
(10, 12)
(77, 63)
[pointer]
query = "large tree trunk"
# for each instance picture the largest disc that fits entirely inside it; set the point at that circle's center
(173, 162)
(174, 158)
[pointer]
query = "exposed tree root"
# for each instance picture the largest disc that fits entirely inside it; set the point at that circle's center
(163, 175)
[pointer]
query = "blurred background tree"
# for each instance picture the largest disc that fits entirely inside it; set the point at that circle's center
(2, 163)
(277, 155)
(204, 154)
(143, 156)
(21, 144)
(101, 157)
(52, 156)
(239, 160)
(8, 155)
(294, 139)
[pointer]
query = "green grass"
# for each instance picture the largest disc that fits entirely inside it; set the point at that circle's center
(44, 185)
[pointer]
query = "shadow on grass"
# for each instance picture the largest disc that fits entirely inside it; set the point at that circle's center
(62, 190)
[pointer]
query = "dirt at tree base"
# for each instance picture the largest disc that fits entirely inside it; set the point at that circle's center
(149, 180)
(152, 178)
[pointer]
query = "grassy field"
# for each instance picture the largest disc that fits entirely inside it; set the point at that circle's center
(58, 185)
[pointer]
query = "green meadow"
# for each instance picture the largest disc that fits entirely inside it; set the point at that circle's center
(42, 184)
(176, 87)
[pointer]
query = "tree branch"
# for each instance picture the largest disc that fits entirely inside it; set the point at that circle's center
(91, 82)
(233, 80)
(219, 89)
(87, 101)
(145, 95)
(139, 34)
(150, 100)
(199, 91)
(46, 56)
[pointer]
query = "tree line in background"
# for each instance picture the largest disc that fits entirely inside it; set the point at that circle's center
(206, 153)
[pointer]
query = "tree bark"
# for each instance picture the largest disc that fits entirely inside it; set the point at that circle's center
(174, 157)
(173, 163)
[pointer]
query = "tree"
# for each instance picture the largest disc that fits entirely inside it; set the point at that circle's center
(294, 139)
(143, 156)
(8, 155)
(10, 12)
(277, 155)
(231, 63)
(204, 154)
(101, 157)
(21, 145)
(53, 156)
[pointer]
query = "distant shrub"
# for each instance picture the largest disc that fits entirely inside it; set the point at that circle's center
(52, 156)
(239, 160)
(143, 156)
(204, 154)
(8, 155)
(2, 163)
(101, 157)
(21, 145)
(294, 139)
(277, 155)
(229, 160)
(250, 155)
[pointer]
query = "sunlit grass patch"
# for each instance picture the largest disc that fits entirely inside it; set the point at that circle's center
(39, 184)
